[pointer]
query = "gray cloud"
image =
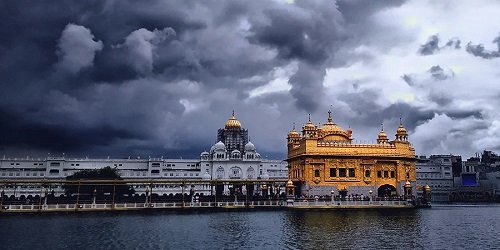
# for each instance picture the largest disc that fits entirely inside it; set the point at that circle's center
(141, 45)
(77, 48)
(438, 73)
(453, 43)
(479, 51)
(430, 47)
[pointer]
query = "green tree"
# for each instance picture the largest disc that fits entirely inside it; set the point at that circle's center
(89, 188)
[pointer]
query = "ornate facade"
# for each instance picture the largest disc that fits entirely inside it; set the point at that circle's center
(324, 159)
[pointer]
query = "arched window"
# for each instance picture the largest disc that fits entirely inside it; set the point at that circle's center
(235, 173)
(220, 173)
(250, 173)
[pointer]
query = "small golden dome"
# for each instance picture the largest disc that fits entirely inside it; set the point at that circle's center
(293, 133)
(427, 188)
(233, 122)
(309, 125)
(382, 134)
(289, 183)
(401, 129)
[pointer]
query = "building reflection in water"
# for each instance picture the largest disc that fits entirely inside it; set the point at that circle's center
(347, 229)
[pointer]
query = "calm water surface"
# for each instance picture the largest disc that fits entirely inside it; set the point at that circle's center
(441, 227)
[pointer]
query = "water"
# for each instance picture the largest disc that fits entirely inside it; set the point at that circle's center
(441, 227)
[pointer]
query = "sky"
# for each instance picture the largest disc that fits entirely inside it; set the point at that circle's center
(158, 78)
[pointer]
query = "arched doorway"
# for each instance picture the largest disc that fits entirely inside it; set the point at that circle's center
(386, 190)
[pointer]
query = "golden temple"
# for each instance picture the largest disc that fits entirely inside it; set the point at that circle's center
(323, 160)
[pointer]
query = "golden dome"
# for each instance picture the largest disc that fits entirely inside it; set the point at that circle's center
(382, 134)
(293, 133)
(233, 122)
(309, 125)
(401, 129)
(330, 126)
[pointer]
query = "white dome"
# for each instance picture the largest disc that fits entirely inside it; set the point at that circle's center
(205, 153)
(236, 151)
(219, 146)
(249, 146)
(257, 155)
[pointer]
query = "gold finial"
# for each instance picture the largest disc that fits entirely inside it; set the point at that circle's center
(400, 121)
(309, 117)
(382, 126)
(233, 112)
(293, 126)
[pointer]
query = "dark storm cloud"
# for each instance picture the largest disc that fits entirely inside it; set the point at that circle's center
(408, 79)
(430, 47)
(133, 70)
(438, 73)
(453, 43)
(479, 51)
(368, 113)
(159, 77)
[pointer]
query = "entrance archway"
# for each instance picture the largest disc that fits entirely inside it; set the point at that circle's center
(386, 190)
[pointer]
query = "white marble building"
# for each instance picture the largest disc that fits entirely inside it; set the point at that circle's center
(218, 164)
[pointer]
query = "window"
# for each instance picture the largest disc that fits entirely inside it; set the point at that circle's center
(55, 164)
(367, 173)
(352, 173)
(379, 174)
(342, 172)
(316, 173)
(333, 172)
(54, 171)
(155, 171)
(393, 174)
(386, 174)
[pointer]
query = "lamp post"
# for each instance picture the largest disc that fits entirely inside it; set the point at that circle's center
(147, 196)
(93, 198)
(1, 201)
(235, 196)
(46, 192)
(333, 195)
(371, 197)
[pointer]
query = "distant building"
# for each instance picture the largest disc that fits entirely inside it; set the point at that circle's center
(238, 160)
(324, 159)
(436, 172)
